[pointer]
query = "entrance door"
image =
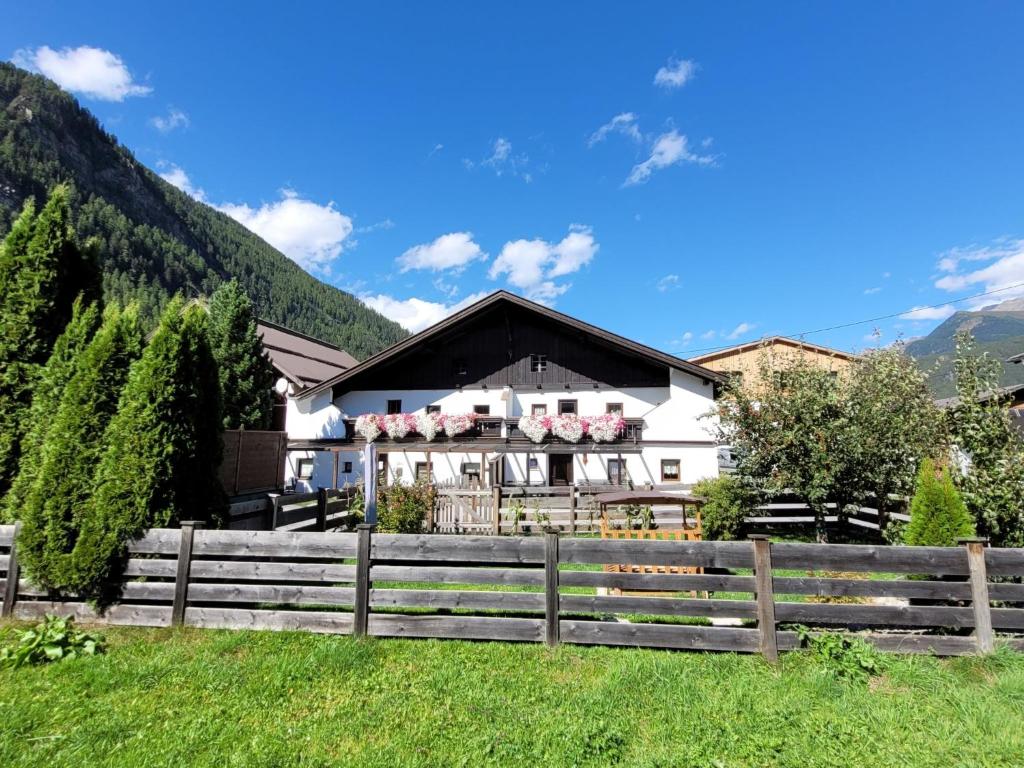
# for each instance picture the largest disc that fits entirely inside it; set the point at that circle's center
(560, 468)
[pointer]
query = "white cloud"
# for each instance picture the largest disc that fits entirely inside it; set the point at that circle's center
(437, 148)
(668, 283)
(870, 291)
(376, 226)
(708, 335)
(669, 149)
(177, 176)
(452, 251)
(416, 314)
(625, 123)
(530, 265)
(174, 119)
(92, 72)
(310, 234)
(676, 73)
(740, 330)
(928, 313)
(1003, 272)
(686, 339)
(503, 160)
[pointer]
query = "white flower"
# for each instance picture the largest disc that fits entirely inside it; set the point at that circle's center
(606, 428)
(397, 425)
(534, 427)
(456, 424)
(368, 425)
(568, 427)
(427, 425)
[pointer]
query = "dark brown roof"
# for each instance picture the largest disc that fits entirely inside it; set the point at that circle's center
(770, 341)
(301, 359)
(411, 342)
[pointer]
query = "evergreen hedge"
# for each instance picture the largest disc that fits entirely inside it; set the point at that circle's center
(162, 449)
(57, 503)
(938, 515)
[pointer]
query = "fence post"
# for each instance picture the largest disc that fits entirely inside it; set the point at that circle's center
(496, 509)
(572, 510)
(13, 574)
(765, 596)
(551, 608)
(983, 636)
(188, 529)
(361, 609)
(321, 509)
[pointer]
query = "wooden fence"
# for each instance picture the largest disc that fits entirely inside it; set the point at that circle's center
(366, 583)
(253, 461)
(326, 509)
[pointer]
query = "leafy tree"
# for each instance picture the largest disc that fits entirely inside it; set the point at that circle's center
(162, 449)
(990, 449)
(43, 271)
(403, 508)
(788, 436)
(58, 502)
(246, 375)
(938, 516)
(45, 401)
(892, 425)
(726, 502)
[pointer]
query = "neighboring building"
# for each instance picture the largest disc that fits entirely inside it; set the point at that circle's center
(1012, 397)
(743, 362)
(499, 359)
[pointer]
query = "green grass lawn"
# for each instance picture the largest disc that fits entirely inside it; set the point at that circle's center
(218, 698)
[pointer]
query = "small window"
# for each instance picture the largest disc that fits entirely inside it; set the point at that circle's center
(670, 470)
(531, 463)
(482, 410)
(470, 468)
(617, 471)
(394, 406)
(615, 408)
(538, 409)
(304, 469)
(423, 469)
(347, 468)
(433, 409)
(459, 367)
(566, 407)
(538, 363)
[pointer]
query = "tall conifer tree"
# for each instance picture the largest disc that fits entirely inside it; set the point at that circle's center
(246, 375)
(162, 450)
(58, 501)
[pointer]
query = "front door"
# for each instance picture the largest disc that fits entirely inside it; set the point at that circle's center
(560, 468)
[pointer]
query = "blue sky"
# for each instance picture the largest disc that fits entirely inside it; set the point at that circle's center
(690, 176)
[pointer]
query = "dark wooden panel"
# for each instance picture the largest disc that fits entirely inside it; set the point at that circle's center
(661, 582)
(128, 615)
(445, 598)
(157, 541)
(460, 627)
(885, 615)
(708, 554)
(283, 594)
(1004, 562)
(455, 575)
(659, 636)
(480, 549)
(878, 559)
(821, 587)
(275, 544)
(261, 571)
(664, 606)
(240, 618)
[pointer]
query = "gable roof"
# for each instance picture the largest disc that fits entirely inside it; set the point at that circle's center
(771, 341)
(301, 359)
(631, 347)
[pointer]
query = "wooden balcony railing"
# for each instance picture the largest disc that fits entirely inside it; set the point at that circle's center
(493, 428)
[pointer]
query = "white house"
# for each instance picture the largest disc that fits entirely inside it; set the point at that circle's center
(643, 413)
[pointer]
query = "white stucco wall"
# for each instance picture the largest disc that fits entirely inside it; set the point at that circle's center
(674, 413)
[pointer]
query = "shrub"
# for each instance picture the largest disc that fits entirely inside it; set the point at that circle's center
(848, 657)
(54, 639)
(162, 449)
(938, 516)
(726, 502)
(57, 503)
(403, 508)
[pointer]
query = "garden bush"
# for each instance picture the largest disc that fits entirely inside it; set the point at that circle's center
(726, 502)
(938, 515)
(53, 639)
(403, 508)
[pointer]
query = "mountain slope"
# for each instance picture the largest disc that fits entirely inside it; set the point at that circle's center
(998, 331)
(154, 240)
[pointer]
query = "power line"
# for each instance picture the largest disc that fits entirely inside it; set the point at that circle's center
(870, 319)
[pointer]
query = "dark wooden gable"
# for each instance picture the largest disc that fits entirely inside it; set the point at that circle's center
(493, 348)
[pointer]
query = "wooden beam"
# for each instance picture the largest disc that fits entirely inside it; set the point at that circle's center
(13, 574)
(361, 608)
(188, 528)
(765, 597)
(551, 609)
(979, 595)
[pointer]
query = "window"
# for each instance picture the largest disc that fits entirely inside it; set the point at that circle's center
(459, 367)
(423, 470)
(614, 408)
(532, 463)
(433, 409)
(394, 406)
(304, 469)
(617, 471)
(482, 410)
(538, 409)
(566, 406)
(538, 363)
(670, 470)
(347, 468)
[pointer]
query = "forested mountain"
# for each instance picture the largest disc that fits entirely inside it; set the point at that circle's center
(998, 330)
(152, 239)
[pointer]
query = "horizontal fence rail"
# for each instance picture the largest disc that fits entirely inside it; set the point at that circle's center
(744, 596)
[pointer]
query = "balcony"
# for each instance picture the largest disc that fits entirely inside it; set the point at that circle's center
(492, 429)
